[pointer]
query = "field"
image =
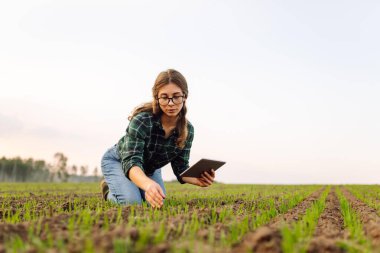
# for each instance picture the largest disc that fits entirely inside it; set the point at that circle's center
(222, 218)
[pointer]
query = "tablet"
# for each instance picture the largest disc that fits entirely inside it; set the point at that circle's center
(201, 166)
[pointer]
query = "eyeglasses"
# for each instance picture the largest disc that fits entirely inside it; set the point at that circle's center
(166, 100)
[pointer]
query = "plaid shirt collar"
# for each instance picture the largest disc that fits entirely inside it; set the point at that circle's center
(157, 122)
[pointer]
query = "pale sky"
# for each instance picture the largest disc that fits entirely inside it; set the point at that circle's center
(283, 91)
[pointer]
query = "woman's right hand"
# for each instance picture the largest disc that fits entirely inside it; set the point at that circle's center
(154, 194)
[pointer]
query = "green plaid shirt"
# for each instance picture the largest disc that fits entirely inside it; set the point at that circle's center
(144, 145)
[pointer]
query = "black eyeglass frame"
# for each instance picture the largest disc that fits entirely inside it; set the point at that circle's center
(158, 99)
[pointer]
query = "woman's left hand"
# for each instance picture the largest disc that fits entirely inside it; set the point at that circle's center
(206, 179)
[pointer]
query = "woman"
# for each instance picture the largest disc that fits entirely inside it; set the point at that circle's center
(158, 133)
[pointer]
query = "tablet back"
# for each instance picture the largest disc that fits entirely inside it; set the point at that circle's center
(201, 166)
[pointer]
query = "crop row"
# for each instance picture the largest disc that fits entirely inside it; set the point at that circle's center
(333, 222)
(222, 218)
(368, 194)
(190, 220)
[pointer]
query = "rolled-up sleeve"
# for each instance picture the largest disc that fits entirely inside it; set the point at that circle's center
(131, 149)
(181, 162)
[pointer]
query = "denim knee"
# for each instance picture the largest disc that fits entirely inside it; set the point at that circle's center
(108, 156)
(123, 199)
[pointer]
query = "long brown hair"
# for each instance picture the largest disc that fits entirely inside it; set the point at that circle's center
(164, 78)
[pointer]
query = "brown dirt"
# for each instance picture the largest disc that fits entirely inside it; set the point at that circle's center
(8, 230)
(267, 239)
(368, 216)
(102, 239)
(330, 228)
(56, 224)
(264, 239)
(43, 204)
(297, 212)
(205, 213)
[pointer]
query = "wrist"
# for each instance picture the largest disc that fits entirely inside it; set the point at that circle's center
(146, 183)
(187, 180)
(137, 176)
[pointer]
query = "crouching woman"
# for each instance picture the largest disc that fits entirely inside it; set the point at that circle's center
(158, 133)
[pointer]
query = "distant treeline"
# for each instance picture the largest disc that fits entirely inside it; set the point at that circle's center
(30, 170)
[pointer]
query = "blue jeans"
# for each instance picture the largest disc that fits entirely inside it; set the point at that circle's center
(121, 189)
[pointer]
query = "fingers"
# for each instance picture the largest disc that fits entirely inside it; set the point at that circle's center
(207, 177)
(154, 198)
(154, 195)
(203, 183)
(161, 192)
(157, 199)
(153, 201)
(206, 180)
(210, 175)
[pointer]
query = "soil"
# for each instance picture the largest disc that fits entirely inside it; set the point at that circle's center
(330, 228)
(368, 216)
(329, 231)
(267, 239)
